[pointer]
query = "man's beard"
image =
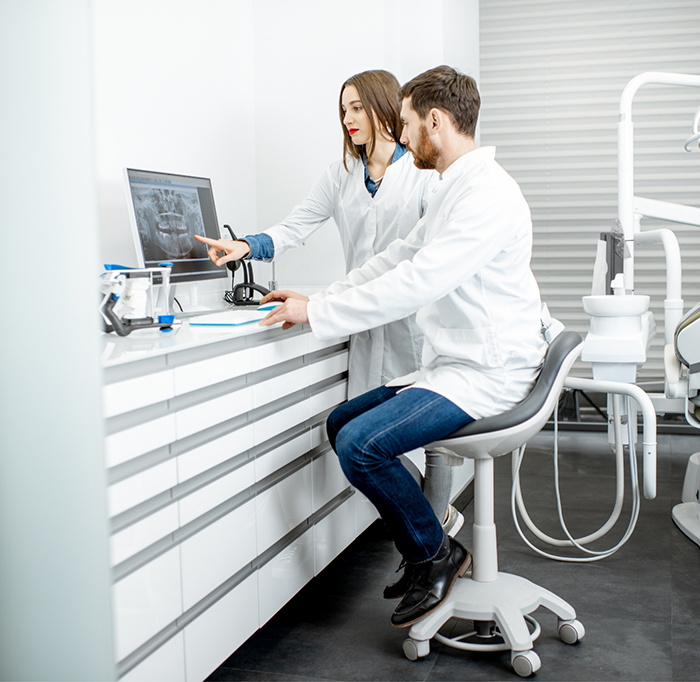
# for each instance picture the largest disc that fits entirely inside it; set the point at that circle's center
(426, 154)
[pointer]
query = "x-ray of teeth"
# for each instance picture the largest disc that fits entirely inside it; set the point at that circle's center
(167, 221)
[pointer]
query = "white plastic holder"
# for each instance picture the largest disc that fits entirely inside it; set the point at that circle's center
(620, 334)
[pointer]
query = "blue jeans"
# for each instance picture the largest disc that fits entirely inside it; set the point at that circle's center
(369, 433)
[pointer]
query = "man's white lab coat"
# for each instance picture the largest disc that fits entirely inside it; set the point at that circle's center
(367, 225)
(466, 269)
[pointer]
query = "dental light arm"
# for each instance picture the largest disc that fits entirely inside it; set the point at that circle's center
(696, 136)
(625, 153)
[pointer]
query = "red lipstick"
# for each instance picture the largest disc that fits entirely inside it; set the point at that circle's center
(352, 131)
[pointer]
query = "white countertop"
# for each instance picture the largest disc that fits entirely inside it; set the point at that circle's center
(145, 343)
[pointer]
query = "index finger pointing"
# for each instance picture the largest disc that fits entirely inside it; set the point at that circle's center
(206, 240)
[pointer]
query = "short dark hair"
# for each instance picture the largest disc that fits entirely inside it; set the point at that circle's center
(379, 94)
(447, 89)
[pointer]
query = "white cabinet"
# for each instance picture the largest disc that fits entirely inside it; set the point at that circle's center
(214, 452)
(141, 487)
(221, 629)
(283, 454)
(136, 393)
(283, 507)
(166, 664)
(143, 533)
(282, 577)
(219, 491)
(195, 375)
(146, 601)
(269, 427)
(138, 440)
(333, 534)
(217, 552)
(225, 498)
(328, 479)
(211, 412)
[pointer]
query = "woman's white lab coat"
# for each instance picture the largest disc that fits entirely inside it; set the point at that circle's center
(367, 225)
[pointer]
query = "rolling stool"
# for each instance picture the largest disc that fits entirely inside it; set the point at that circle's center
(499, 603)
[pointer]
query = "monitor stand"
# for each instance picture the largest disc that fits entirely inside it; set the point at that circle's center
(193, 301)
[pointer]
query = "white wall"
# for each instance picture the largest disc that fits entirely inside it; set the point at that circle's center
(245, 92)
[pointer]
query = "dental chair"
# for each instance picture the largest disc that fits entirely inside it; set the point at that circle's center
(499, 603)
(686, 515)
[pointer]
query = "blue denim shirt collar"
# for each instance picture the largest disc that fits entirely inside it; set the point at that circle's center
(372, 186)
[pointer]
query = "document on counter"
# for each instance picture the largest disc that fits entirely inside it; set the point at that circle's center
(232, 318)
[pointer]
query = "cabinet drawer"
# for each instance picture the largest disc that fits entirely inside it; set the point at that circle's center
(329, 398)
(315, 344)
(277, 423)
(365, 512)
(319, 435)
(221, 629)
(212, 371)
(138, 440)
(224, 488)
(217, 552)
(328, 479)
(141, 487)
(132, 394)
(280, 351)
(280, 386)
(334, 533)
(283, 507)
(284, 454)
(166, 664)
(282, 577)
(146, 601)
(214, 452)
(140, 535)
(202, 416)
(328, 367)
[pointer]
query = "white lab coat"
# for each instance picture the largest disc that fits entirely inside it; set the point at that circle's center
(367, 225)
(466, 269)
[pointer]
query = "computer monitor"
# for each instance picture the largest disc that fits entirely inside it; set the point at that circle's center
(166, 211)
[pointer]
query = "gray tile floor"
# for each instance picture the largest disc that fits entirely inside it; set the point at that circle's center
(640, 607)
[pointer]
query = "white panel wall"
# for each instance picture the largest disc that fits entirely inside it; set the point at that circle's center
(246, 92)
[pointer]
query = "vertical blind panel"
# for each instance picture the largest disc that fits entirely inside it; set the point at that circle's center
(552, 74)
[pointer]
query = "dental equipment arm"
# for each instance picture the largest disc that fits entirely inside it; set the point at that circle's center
(626, 157)
(648, 420)
(696, 136)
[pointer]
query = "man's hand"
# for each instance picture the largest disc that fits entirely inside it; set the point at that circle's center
(291, 312)
(233, 250)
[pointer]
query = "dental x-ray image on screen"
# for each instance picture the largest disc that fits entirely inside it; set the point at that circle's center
(166, 211)
(168, 219)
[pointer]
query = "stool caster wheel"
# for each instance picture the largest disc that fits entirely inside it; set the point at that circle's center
(571, 631)
(525, 662)
(415, 649)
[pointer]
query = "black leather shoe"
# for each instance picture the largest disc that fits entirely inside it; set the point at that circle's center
(432, 582)
(452, 523)
(402, 585)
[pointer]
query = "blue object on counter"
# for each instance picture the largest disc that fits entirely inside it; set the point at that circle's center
(166, 319)
(114, 266)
